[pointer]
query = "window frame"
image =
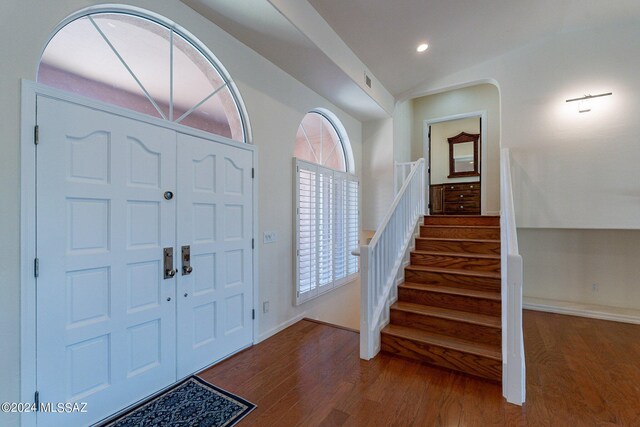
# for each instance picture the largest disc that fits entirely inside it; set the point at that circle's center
(350, 217)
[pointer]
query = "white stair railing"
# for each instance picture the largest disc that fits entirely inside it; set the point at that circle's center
(513, 363)
(400, 173)
(383, 258)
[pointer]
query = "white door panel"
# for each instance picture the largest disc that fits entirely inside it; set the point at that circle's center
(110, 329)
(215, 219)
(106, 332)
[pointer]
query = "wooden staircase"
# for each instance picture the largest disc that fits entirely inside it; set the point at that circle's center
(448, 311)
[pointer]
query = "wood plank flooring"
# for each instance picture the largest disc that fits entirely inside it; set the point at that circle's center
(580, 372)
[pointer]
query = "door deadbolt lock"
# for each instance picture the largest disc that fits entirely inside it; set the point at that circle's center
(169, 272)
(168, 195)
(186, 261)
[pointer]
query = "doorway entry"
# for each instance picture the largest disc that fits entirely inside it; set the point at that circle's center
(144, 268)
(453, 147)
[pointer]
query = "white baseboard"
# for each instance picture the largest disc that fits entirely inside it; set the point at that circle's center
(601, 312)
(493, 213)
(284, 325)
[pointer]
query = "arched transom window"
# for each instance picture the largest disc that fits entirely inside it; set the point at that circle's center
(319, 142)
(146, 65)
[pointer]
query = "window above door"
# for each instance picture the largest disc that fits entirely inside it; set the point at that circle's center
(145, 64)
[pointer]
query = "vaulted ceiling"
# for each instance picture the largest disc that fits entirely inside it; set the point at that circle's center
(305, 37)
(460, 33)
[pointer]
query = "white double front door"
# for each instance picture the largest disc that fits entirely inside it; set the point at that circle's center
(112, 194)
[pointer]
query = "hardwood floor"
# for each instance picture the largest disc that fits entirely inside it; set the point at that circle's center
(580, 372)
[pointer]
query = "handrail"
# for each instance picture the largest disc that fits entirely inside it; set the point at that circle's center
(396, 202)
(400, 172)
(383, 257)
(513, 372)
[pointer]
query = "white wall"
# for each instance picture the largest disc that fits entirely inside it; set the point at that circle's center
(385, 141)
(564, 264)
(402, 131)
(571, 171)
(481, 97)
(440, 132)
(377, 177)
(276, 103)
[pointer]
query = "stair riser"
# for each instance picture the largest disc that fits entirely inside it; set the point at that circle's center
(460, 233)
(452, 359)
(454, 302)
(454, 280)
(491, 248)
(462, 263)
(453, 220)
(467, 331)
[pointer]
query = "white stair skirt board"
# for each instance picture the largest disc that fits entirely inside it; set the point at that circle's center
(111, 328)
(602, 312)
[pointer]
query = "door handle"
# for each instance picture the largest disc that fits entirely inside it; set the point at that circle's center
(169, 272)
(186, 261)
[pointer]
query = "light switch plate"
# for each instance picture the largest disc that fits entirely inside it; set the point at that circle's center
(269, 237)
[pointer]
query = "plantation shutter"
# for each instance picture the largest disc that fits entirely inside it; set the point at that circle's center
(352, 217)
(306, 225)
(327, 228)
(325, 207)
(340, 229)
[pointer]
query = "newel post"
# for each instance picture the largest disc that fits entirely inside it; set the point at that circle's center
(366, 340)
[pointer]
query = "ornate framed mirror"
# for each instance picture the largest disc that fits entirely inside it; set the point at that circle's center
(464, 155)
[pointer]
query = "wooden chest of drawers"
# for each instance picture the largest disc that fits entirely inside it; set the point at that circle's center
(455, 199)
(462, 199)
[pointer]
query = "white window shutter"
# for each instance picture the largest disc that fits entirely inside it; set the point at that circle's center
(327, 229)
(306, 228)
(353, 224)
(340, 229)
(325, 214)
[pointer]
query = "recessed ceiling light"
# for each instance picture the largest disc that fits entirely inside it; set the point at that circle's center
(421, 48)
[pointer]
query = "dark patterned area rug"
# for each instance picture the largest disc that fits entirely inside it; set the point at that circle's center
(192, 402)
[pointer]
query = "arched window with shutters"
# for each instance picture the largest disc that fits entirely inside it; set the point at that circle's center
(135, 60)
(326, 206)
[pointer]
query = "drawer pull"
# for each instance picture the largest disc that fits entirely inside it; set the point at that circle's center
(471, 187)
(462, 195)
(461, 207)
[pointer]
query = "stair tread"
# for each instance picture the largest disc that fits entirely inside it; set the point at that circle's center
(447, 313)
(458, 254)
(448, 239)
(454, 290)
(493, 227)
(471, 273)
(462, 216)
(453, 343)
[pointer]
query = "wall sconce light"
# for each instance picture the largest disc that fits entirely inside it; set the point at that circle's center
(584, 102)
